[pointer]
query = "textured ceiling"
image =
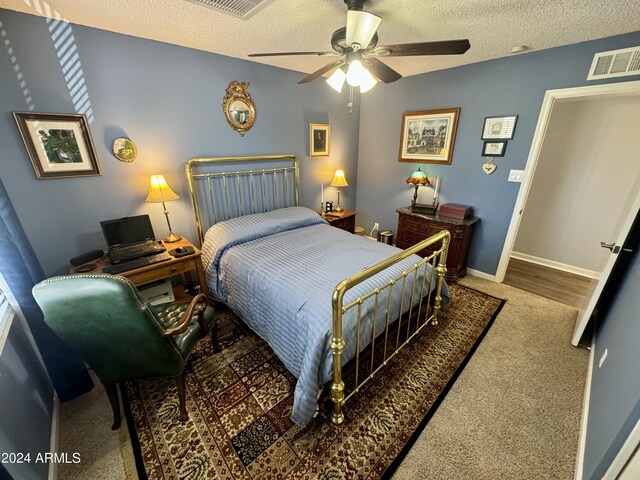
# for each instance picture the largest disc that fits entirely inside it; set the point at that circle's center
(492, 26)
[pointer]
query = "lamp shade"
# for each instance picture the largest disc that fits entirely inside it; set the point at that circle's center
(418, 177)
(339, 180)
(159, 191)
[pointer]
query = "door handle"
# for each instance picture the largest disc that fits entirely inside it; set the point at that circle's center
(611, 246)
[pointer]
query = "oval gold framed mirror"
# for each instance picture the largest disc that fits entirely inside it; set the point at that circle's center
(238, 107)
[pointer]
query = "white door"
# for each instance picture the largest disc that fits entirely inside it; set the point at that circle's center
(615, 246)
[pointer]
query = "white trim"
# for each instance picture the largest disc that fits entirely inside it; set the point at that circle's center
(625, 453)
(582, 441)
(632, 468)
(583, 272)
(479, 274)
(53, 442)
(551, 97)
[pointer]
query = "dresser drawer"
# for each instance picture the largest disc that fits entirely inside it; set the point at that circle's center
(413, 229)
(348, 224)
(420, 230)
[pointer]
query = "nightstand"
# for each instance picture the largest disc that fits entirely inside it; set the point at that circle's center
(162, 270)
(415, 227)
(346, 221)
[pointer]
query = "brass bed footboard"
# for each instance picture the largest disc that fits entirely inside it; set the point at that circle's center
(421, 314)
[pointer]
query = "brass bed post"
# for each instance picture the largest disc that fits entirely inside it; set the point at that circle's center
(441, 269)
(337, 346)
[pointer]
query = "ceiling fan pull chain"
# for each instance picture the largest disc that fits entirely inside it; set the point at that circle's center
(350, 104)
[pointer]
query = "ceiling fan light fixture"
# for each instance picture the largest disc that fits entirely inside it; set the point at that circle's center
(337, 79)
(368, 82)
(356, 73)
(361, 27)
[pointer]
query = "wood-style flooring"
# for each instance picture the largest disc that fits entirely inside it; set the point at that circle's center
(563, 287)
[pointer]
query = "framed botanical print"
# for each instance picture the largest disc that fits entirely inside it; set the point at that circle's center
(428, 136)
(59, 145)
(319, 137)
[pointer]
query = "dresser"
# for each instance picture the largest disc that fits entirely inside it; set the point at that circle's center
(346, 221)
(415, 227)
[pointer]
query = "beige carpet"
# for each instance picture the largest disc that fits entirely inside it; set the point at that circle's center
(513, 413)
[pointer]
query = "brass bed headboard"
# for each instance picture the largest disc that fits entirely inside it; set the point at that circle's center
(244, 190)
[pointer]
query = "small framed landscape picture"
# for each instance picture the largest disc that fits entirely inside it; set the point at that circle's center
(319, 137)
(59, 145)
(499, 128)
(494, 149)
(428, 136)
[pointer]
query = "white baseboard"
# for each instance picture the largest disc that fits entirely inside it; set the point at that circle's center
(583, 272)
(479, 274)
(582, 442)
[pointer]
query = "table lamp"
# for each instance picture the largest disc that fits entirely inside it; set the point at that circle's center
(160, 192)
(417, 179)
(339, 181)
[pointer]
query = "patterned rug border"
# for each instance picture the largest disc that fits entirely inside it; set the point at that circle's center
(393, 466)
(137, 451)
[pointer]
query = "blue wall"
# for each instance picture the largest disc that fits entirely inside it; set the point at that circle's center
(167, 99)
(614, 405)
(513, 85)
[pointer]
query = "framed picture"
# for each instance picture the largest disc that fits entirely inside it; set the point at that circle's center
(494, 149)
(428, 136)
(319, 137)
(59, 145)
(499, 128)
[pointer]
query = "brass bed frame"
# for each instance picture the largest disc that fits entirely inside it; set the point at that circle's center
(248, 186)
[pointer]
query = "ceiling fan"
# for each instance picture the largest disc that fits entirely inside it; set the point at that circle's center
(357, 43)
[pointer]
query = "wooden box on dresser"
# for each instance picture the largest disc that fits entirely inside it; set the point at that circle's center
(414, 227)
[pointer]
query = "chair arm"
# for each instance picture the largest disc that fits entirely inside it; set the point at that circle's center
(186, 318)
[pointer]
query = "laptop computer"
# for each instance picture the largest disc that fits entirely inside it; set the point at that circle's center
(129, 238)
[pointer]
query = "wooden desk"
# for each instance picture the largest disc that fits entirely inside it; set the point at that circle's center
(346, 221)
(162, 270)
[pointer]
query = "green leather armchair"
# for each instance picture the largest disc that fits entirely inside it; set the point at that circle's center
(119, 334)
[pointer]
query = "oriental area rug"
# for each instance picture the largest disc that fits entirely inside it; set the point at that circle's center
(239, 402)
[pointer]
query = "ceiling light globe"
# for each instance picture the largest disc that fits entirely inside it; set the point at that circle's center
(356, 73)
(336, 81)
(368, 82)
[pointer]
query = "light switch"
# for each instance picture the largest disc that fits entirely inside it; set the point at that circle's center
(516, 175)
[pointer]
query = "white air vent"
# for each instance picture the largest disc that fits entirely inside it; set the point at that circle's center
(616, 63)
(237, 8)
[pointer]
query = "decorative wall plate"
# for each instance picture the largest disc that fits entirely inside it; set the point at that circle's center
(124, 150)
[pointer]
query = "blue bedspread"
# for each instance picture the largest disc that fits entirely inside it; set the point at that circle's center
(278, 270)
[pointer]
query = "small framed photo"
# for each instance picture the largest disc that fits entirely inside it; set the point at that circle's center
(319, 138)
(494, 149)
(499, 128)
(59, 145)
(428, 136)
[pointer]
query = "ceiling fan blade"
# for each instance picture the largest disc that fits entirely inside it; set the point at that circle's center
(447, 47)
(381, 71)
(361, 27)
(318, 73)
(285, 54)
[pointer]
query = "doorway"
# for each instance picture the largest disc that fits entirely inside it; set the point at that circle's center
(584, 188)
